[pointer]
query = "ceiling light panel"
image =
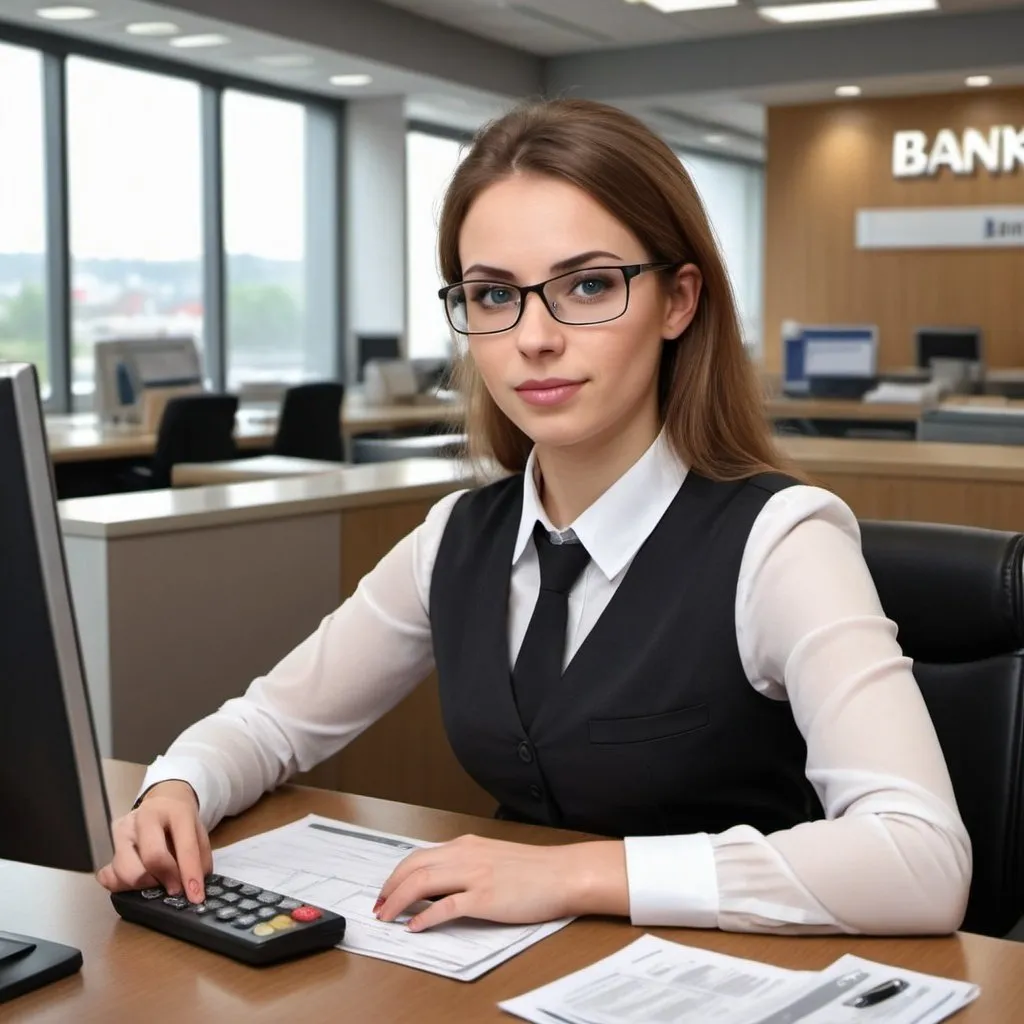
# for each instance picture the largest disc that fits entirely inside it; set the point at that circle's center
(843, 10)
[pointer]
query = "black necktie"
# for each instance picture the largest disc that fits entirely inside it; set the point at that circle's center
(538, 667)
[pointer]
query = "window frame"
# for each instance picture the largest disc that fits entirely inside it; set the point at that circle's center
(54, 50)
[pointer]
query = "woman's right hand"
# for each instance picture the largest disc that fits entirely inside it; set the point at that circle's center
(161, 842)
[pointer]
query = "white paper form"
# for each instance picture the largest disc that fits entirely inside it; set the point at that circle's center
(653, 981)
(342, 867)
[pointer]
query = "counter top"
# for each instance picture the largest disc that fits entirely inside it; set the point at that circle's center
(165, 511)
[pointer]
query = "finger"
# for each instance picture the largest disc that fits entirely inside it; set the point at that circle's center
(443, 910)
(182, 826)
(204, 850)
(127, 868)
(154, 852)
(414, 862)
(423, 884)
(110, 880)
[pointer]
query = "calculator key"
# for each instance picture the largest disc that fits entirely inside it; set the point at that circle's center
(214, 890)
(152, 894)
(231, 897)
(248, 905)
(178, 902)
(306, 915)
(202, 908)
(269, 898)
(250, 890)
(215, 904)
(266, 913)
(289, 904)
(231, 883)
(212, 879)
(245, 921)
(263, 930)
(227, 914)
(282, 923)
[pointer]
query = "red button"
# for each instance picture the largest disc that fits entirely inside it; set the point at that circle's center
(306, 914)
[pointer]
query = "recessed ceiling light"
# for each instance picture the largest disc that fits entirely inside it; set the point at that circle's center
(848, 90)
(352, 80)
(675, 6)
(840, 10)
(194, 42)
(978, 81)
(716, 138)
(152, 28)
(285, 60)
(66, 13)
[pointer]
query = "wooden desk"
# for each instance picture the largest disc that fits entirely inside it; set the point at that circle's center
(921, 481)
(782, 408)
(260, 467)
(132, 974)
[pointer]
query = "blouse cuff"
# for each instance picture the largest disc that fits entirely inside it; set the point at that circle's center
(672, 881)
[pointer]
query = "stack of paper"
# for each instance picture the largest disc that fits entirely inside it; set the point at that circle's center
(342, 867)
(653, 981)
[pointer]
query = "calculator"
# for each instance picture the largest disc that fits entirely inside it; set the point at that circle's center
(245, 922)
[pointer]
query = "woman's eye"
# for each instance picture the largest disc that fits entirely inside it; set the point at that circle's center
(495, 296)
(588, 287)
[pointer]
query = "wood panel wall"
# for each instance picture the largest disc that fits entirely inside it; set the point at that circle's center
(827, 161)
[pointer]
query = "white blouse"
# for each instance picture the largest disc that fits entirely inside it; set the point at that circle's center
(892, 854)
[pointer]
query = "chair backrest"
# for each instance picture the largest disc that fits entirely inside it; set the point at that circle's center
(194, 428)
(310, 423)
(956, 595)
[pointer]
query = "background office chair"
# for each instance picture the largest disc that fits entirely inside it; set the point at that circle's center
(957, 595)
(193, 428)
(310, 423)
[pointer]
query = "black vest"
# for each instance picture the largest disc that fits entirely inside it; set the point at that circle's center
(654, 729)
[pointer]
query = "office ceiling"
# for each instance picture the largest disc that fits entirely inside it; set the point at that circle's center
(703, 79)
(554, 27)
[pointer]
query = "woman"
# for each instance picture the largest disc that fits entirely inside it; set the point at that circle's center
(648, 630)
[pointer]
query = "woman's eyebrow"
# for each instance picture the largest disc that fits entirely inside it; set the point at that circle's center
(570, 263)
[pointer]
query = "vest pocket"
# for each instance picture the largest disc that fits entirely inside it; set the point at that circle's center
(649, 727)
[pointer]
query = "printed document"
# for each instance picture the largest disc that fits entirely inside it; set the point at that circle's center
(342, 867)
(653, 981)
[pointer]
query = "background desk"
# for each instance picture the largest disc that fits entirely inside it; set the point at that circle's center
(259, 467)
(132, 974)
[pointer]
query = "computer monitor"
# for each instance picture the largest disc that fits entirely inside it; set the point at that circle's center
(828, 351)
(385, 347)
(960, 343)
(126, 367)
(53, 805)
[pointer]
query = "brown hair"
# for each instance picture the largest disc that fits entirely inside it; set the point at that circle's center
(711, 403)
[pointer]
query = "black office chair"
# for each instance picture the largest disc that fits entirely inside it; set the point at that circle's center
(310, 423)
(957, 595)
(193, 428)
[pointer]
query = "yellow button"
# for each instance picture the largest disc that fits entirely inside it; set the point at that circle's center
(263, 929)
(281, 923)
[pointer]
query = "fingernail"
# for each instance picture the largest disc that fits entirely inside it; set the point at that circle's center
(378, 904)
(195, 891)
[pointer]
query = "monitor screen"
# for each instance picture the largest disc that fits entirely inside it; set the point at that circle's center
(376, 346)
(963, 343)
(53, 807)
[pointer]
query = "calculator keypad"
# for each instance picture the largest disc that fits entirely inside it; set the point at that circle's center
(241, 906)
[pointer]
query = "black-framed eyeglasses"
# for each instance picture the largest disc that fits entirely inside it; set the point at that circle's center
(591, 295)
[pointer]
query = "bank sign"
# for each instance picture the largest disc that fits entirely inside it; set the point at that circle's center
(996, 150)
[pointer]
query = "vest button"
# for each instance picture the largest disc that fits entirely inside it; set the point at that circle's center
(525, 753)
(536, 792)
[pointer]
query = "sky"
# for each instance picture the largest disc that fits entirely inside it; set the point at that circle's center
(134, 153)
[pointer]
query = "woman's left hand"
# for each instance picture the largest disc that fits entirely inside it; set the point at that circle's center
(508, 882)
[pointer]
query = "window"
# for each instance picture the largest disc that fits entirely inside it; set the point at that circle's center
(265, 239)
(733, 195)
(23, 327)
(430, 164)
(134, 208)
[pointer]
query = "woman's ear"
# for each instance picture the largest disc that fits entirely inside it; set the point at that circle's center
(682, 298)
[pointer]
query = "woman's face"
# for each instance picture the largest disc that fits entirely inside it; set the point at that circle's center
(562, 384)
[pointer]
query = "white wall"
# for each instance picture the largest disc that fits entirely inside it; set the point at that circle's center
(375, 232)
